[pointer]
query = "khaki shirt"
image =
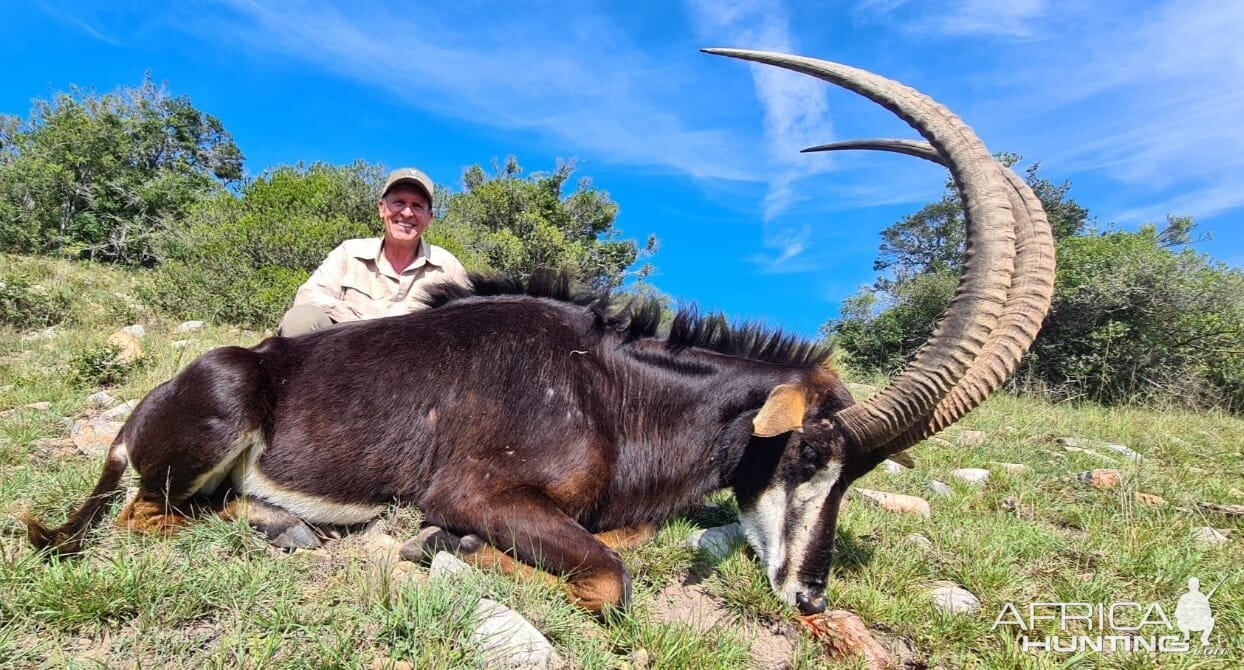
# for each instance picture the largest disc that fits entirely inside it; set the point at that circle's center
(357, 282)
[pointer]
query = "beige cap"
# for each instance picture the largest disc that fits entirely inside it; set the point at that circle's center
(411, 175)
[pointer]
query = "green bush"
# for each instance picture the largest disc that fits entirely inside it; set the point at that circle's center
(100, 365)
(241, 259)
(27, 305)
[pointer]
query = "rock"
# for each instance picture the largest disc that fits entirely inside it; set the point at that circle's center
(1067, 441)
(382, 548)
(1014, 468)
(445, 564)
(1123, 451)
(41, 406)
(1102, 478)
(188, 326)
(1229, 510)
(971, 475)
(968, 438)
(180, 344)
(844, 635)
(93, 436)
(905, 459)
(46, 334)
(938, 488)
(1208, 537)
(955, 599)
(890, 467)
(939, 442)
(129, 348)
(136, 330)
(1150, 499)
(100, 400)
(509, 640)
(895, 502)
(1236, 492)
(641, 659)
(918, 540)
(121, 412)
(716, 543)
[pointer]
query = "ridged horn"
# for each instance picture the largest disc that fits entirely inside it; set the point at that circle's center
(1028, 301)
(978, 302)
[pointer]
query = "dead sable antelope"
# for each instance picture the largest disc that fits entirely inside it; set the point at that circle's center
(534, 419)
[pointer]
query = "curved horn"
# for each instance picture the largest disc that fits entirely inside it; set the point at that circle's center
(1028, 301)
(988, 264)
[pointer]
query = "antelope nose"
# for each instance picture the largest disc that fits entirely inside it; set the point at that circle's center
(814, 605)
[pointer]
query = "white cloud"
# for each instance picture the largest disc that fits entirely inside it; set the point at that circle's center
(1008, 18)
(577, 80)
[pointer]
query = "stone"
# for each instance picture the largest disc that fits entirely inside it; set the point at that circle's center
(1014, 468)
(1236, 492)
(954, 599)
(1067, 441)
(1229, 510)
(938, 488)
(918, 540)
(1104, 479)
(188, 326)
(46, 334)
(891, 468)
(968, 438)
(716, 543)
(1150, 499)
(121, 412)
(971, 475)
(93, 436)
(382, 548)
(445, 564)
(1206, 536)
(895, 502)
(41, 406)
(136, 330)
(939, 442)
(181, 344)
(510, 641)
(129, 348)
(844, 636)
(100, 400)
(1123, 451)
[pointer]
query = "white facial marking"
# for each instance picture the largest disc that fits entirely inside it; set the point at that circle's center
(763, 527)
(809, 500)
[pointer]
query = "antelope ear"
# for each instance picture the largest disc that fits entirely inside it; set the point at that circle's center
(782, 412)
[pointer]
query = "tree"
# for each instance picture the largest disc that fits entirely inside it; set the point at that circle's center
(101, 176)
(519, 224)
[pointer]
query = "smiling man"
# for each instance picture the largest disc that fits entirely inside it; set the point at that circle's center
(378, 276)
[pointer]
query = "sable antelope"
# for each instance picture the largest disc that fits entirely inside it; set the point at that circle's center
(532, 419)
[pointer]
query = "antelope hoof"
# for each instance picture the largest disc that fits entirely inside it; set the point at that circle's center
(432, 539)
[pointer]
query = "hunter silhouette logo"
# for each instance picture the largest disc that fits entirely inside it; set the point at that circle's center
(1118, 626)
(1193, 612)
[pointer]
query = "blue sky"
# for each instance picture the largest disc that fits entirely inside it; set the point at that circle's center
(1139, 104)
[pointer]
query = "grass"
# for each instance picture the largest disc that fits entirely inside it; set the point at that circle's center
(216, 596)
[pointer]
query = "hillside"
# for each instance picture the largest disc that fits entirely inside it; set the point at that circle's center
(1037, 530)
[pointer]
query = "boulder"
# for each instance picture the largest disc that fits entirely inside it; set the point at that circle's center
(895, 502)
(955, 599)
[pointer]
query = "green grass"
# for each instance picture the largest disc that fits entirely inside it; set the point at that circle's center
(216, 596)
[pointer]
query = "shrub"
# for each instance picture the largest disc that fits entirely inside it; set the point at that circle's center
(27, 305)
(100, 365)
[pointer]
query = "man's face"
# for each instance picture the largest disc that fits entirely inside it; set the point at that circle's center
(406, 213)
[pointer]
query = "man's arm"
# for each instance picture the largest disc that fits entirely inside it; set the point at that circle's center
(323, 289)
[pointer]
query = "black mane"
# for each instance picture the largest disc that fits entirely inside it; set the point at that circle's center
(636, 318)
